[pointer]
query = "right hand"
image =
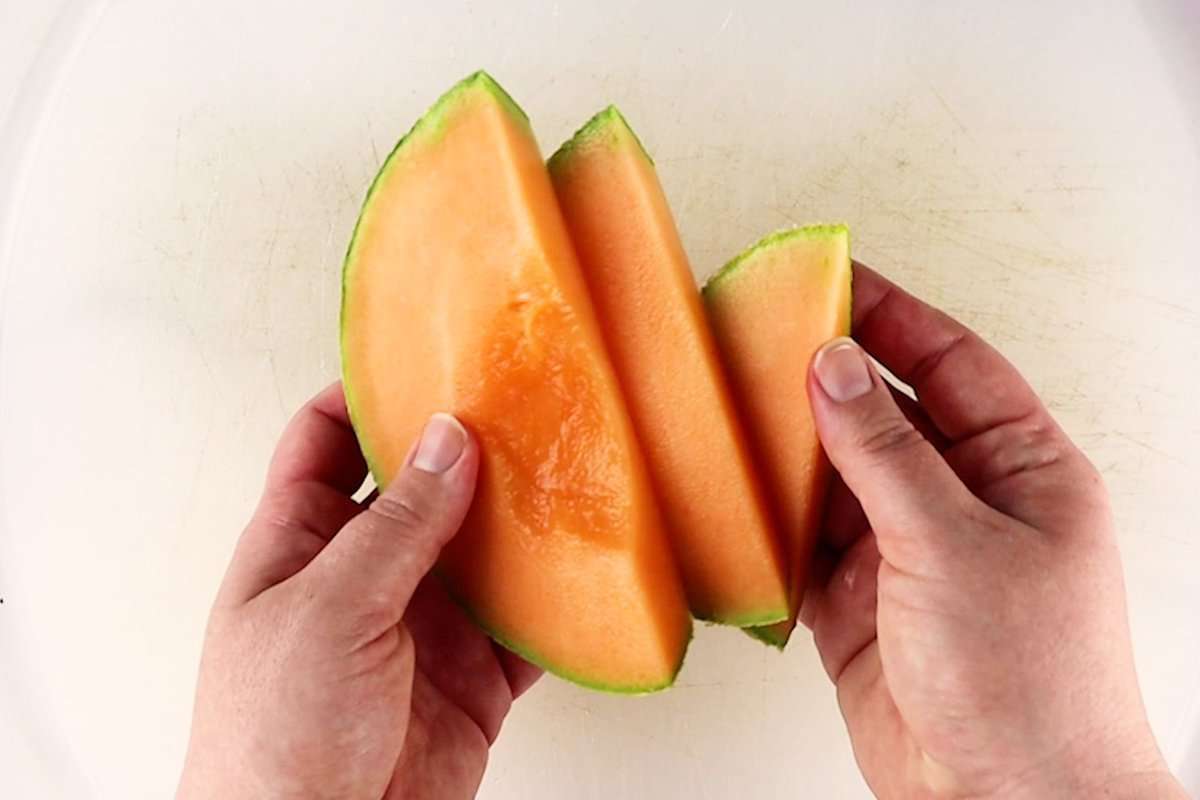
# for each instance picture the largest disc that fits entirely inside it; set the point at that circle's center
(971, 610)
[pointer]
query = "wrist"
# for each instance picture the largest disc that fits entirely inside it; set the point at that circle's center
(1136, 772)
(1159, 785)
(1156, 784)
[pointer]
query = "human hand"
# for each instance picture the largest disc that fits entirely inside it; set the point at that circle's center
(333, 665)
(971, 607)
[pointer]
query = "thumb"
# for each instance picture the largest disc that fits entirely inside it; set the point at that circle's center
(909, 494)
(373, 565)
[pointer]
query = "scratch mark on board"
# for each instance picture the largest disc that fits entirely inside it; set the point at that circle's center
(374, 145)
(275, 380)
(1135, 440)
(949, 111)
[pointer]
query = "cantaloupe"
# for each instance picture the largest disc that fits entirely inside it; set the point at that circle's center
(771, 309)
(462, 293)
(654, 326)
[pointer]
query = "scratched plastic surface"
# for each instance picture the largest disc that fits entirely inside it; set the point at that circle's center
(174, 206)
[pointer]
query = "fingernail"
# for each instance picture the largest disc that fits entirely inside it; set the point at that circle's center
(441, 444)
(841, 367)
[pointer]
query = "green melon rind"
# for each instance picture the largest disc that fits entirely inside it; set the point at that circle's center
(773, 635)
(769, 242)
(432, 122)
(605, 126)
(779, 632)
(610, 128)
(746, 619)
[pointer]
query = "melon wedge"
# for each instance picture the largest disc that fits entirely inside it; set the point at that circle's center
(771, 309)
(462, 293)
(654, 327)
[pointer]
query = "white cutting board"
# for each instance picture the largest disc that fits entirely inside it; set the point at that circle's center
(177, 185)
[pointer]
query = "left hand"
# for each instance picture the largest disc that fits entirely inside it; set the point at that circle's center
(334, 665)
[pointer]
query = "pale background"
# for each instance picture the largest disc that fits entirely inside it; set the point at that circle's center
(178, 181)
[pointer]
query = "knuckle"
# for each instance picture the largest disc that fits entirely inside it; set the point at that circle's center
(890, 436)
(406, 531)
(1038, 445)
(374, 613)
(400, 510)
(361, 613)
(411, 513)
(284, 509)
(404, 644)
(309, 507)
(1035, 444)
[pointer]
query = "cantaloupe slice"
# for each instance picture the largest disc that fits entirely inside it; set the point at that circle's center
(653, 324)
(771, 309)
(462, 293)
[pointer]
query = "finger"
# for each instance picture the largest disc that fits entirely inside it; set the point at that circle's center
(305, 501)
(289, 528)
(913, 412)
(1015, 466)
(373, 566)
(319, 445)
(844, 520)
(964, 384)
(844, 623)
(440, 758)
(908, 493)
(821, 566)
(458, 657)
(1009, 466)
(883, 744)
(520, 673)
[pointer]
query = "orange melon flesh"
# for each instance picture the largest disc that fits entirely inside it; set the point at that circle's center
(462, 293)
(771, 309)
(653, 323)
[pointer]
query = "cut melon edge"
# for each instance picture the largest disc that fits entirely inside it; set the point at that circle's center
(811, 232)
(433, 118)
(770, 634)
(609, 123)
(532, 656)
(745, 619)
(778, 633)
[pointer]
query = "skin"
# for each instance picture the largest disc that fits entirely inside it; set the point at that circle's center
(967, 600)
(334, 666)
(971, 610)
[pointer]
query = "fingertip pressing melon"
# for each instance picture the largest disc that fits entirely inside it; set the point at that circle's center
(653, 324)
(771, 309)
(462, 293)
